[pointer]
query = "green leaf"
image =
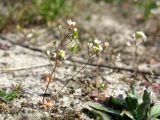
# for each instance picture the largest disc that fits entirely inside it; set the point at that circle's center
(74, 48)
(142, 111)
(118, 103)
(134, 94)
(75, 35)
(146, 97)
(8, 96)
(128, 114)
(11, 95)
(105, 109)
(2, 93)
(101, 116)
(155, 111)
(155, 119)
(131, 103)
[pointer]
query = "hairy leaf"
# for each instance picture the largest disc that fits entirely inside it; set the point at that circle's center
(105, 109)
(155, 111)
(101, 116)
(142, 111)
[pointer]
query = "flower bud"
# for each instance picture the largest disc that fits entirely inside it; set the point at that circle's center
(95, 46)
(48, 52)
(71, 23)
(139, 35)
(106, 44)
(61, 54)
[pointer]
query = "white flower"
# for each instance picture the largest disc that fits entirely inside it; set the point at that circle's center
(71, 23)
(139, 35)
(96, 41)
(97, 49)
(138, 38)
(48, 52)
(54, 55)
(51, 54)
(95, 46)
(90, 44)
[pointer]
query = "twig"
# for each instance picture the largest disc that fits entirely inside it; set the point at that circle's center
(24, 68)
(118, 68)
(19, 44)
(80, 62)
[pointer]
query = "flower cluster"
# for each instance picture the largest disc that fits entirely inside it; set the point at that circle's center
(72, 29)
(57, 52)
(95, 46)
(139, 35)
(72, 25)
(62, 54)
(53, 55)
(138, 38)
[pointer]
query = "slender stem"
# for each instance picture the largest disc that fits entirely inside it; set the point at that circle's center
(65, 37)
(74, 75)
(50, 77)
(68, 43)
(56, 62)
(136, 62)
(135, 65)
(97, 70)
(60, 32)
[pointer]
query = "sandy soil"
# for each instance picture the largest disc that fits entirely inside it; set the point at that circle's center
(23, 62)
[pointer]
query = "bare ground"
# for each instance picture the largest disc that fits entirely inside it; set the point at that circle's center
(24, 62)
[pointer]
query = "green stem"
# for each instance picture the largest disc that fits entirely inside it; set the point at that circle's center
(136, 62)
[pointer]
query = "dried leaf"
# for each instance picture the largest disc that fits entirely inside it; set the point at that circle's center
(46, 104)
(46, 77)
